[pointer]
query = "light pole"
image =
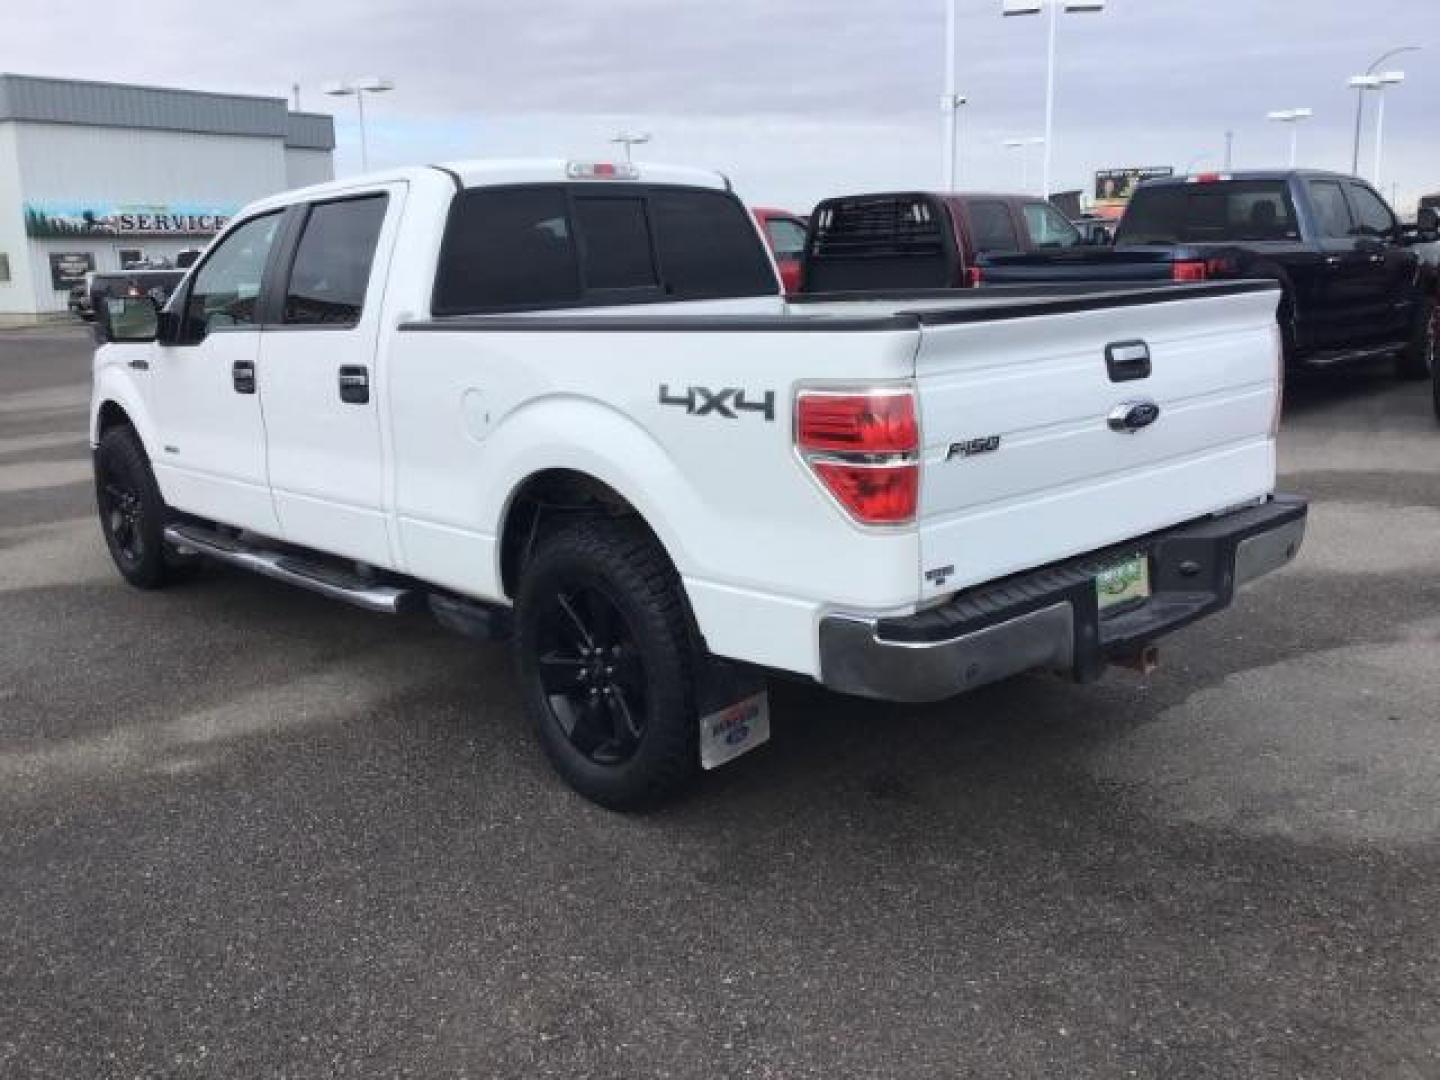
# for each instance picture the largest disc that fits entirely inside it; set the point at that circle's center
(1023, 145)
(368, 84)
(1378, 83)
(1035, 7)
(1361, 87)
(952, 101)
(1293, 117)
(951, 104)
(630, 139)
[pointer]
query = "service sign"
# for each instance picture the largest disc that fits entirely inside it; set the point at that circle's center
(1113, 187)
(52, 221)
(68, 269)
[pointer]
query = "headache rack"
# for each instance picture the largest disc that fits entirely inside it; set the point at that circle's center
(879, 242)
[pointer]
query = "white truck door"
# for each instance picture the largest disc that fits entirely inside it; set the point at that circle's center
(319, 391)
(201, 389)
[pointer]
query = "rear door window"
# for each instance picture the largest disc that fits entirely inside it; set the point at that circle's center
(1331, 212)
(332, 262)
(1210, 213)
(991, 227)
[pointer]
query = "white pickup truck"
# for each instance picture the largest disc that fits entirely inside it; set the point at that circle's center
(566, 403)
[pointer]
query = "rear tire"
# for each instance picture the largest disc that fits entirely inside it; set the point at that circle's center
(606, 662)
(132, 513)
(1418, 359)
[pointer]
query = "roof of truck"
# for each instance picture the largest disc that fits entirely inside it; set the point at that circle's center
(487, 172)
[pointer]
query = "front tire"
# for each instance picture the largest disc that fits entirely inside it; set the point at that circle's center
(132, 513)
(606, 662)
(1418, 359)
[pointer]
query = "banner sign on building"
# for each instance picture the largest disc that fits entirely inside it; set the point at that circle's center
(1113, 187)
(62, 221)
(68, 269)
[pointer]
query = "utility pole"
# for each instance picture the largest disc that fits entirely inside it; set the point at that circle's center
(1229, 149)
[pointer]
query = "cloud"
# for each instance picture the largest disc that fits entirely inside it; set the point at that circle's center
(802, 97)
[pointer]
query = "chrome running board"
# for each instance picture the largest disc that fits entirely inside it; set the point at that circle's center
(317, 577)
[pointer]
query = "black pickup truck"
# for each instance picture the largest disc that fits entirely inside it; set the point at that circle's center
(1354, 287)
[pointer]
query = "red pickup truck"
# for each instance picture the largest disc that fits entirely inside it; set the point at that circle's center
(913, 240)
(785, 233)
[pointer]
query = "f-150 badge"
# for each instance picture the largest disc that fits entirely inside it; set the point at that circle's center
(986, 445)
(729, 402)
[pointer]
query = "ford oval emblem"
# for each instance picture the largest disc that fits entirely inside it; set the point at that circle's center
(1130, 416)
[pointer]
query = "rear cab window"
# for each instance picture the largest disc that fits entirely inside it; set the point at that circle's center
(533, 247)
(992, 230)
(1228, 211)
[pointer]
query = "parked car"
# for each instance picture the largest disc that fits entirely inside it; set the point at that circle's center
(1353, 285)
(1096, 231)
(913, 240)
(785, 233)
(620, 446)
(78, 300)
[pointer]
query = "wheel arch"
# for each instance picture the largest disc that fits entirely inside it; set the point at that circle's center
(549, 496)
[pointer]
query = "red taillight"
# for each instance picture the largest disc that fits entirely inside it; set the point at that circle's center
(877, 423)
(864, 448)
(874, 494)
(974, 277)
(1189, 270)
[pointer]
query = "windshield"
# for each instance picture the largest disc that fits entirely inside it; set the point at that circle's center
(1210, 213)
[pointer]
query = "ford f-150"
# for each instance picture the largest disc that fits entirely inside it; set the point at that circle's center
(567, 404)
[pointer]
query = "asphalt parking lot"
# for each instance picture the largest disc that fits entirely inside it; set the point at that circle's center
(247, 832)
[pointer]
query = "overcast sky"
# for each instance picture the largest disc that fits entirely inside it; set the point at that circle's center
(795, 99)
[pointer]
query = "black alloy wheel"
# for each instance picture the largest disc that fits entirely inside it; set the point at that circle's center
(592, 674)
(120, 515)
(132, 512)
(607, 661)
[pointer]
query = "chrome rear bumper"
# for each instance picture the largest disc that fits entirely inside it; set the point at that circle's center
(1050, 618)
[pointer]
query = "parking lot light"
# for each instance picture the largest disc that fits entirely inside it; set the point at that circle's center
(358, 88)
(1371, 81)
(631, 139)
(1035, 7)
(1293, 117)
(1023, 145)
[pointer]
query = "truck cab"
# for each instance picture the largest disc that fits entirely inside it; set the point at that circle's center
(1353, 284)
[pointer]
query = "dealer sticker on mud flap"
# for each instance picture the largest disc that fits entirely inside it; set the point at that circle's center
(734, 730)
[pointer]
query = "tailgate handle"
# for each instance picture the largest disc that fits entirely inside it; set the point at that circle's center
(1127, 361)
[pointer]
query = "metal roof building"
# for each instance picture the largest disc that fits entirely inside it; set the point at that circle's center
(94, 176)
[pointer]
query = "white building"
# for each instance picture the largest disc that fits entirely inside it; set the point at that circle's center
(94, 176)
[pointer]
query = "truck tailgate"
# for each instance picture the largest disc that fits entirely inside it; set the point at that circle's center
(1021, 464)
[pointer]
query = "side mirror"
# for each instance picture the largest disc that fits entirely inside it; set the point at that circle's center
(1427, 225)
(128, 319)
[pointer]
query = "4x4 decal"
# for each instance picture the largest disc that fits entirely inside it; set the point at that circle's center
(729, 402)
